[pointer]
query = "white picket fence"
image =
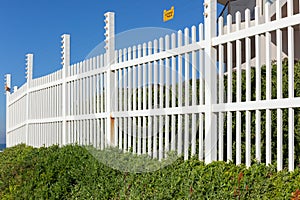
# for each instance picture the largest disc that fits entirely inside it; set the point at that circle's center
(105, 101)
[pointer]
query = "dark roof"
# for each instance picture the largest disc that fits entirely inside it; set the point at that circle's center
(222, 1)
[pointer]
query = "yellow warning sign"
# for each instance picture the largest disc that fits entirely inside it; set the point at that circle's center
(169, 14)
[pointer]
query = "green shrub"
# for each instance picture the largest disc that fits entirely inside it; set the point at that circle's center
(71, 172)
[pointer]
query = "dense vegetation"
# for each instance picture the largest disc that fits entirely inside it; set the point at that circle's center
(71, 172)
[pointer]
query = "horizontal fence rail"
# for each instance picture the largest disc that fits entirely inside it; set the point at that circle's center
(229, 96)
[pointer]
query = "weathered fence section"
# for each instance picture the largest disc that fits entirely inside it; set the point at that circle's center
(171, 94)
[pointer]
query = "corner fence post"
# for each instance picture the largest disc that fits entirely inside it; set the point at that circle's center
(110, 61)
(210, 8)
(65, 65)
(29, 70)
(7, 92)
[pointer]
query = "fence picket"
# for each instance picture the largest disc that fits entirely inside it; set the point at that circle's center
(120, 120)
(102, 140)
(201, 94)
(221, 91)
(279, 89)
(150, 83)
(268, 89)
(194, 101)
(238, 91)
(125, 94)
(167, 95)
(291, 58)
(187, 94)
(129, 100)
(155, 50)
(161, 99)
(248, 91)
(229, 90)
(139, 100)
(257, 89)
(116, 97)
(179, 150)
(174, 92)
(90, 96)
(134, 101)
(144, 84)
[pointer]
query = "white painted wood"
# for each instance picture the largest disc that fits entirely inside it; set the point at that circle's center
(248, 91)
(187, 68)
(150, 81)
(98, 133)
(89, 132)
(120, 97)
(120, 83)
(144, 84)
(139, 79)
(116, 93)
(167, 73)
(268, 89)
(201, 94)
(290, 8)
(139, 100)
(129, 100)
(116, 106)
(211, 85)
(187, 94)
(150, 76)
(103, 92)
(91, 91)
(155, 127)
(239, 89)
(291, 57)
(150, 136)
(85, 95)
(179, 143)
(95, 134)
(161, 100)
(85, 133)
(71, 99)
(103, 135)
(257, 89)
(167, 96)
(187, 99)
(134, 127)
(194, 100)
(279, 90)
(125, 102)
(221, 92)
(125, 134)
(98, 93)
(229, 90)
(174, 92)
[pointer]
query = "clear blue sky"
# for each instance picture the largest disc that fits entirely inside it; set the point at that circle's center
(35, 26)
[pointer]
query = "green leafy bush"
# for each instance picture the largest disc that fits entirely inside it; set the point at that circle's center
(72, 172)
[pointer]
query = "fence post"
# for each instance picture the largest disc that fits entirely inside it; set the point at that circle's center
(110, 60)
(29, 70)
(65, 65)
(7, 92)
(210, 8)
